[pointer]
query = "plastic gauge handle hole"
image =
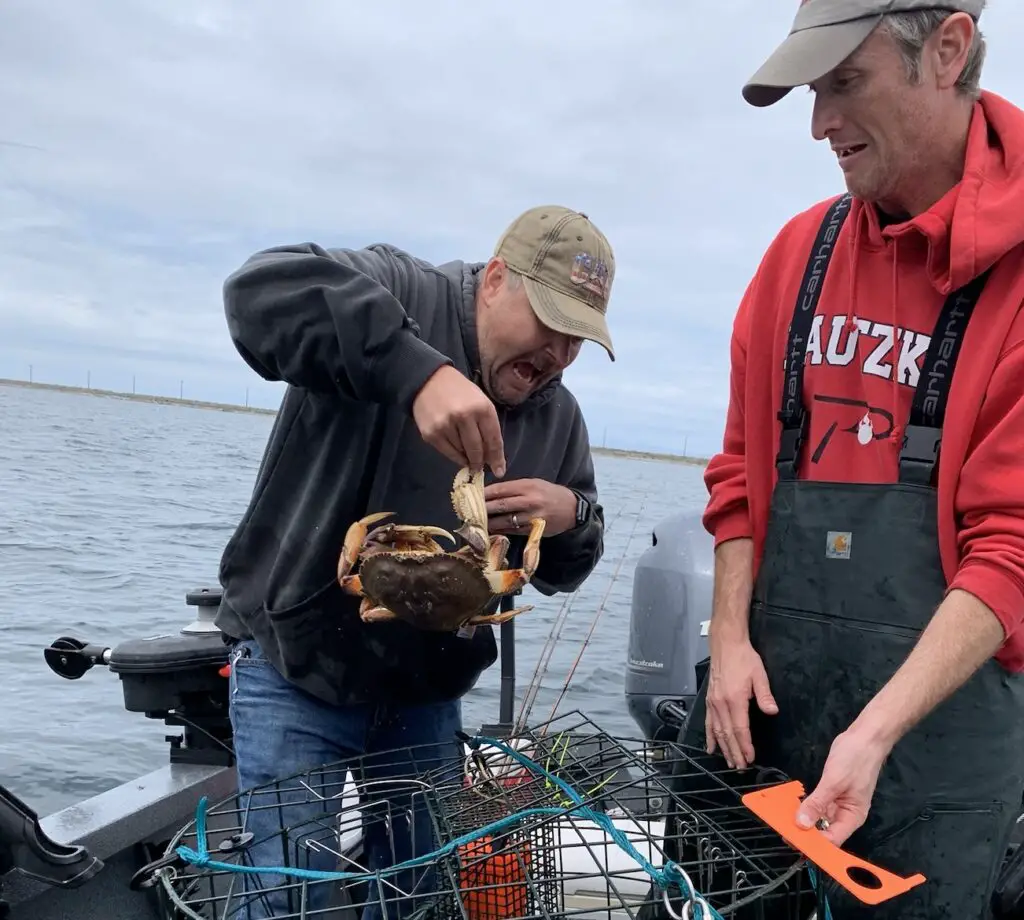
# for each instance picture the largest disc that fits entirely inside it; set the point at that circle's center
(864, 877)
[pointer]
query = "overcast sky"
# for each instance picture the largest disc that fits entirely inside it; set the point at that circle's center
(147, 147)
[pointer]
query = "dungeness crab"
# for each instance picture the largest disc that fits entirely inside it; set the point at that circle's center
(405, 574)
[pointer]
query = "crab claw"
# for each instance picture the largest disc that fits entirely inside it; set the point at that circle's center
(354, 538)
(423, 532)
(406, 538)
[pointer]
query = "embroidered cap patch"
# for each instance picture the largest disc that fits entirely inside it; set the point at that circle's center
(591, 274)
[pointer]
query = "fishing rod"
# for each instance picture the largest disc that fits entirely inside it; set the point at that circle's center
(554, 634)
(600, 608)
(544, 660)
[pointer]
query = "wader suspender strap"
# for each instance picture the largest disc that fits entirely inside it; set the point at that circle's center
(793, 414)
(919, 454)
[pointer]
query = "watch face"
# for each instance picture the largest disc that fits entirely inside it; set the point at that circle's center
(581, 509)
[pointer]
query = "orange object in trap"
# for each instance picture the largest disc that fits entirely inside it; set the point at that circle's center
(493, 880)
(777, 807)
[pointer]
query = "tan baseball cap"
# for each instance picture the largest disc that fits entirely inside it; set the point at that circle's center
(567, 266)
(824, 34)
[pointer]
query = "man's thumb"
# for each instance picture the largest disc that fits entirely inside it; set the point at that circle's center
(763, 695)
(812, 808)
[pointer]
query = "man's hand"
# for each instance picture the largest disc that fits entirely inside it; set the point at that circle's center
(455, 417)
(736, 674)
(843, 794)
(961, 636)
(529, 498)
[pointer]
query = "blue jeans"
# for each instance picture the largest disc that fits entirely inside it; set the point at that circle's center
(279, 730)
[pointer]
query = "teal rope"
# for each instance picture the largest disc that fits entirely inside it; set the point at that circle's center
(671, 874)
(815, 882)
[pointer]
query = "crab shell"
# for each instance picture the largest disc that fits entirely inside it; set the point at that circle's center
(431, 591)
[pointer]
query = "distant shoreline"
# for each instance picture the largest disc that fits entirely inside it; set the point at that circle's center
(256, 410)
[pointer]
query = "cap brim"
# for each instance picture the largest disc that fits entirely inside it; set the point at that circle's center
(567, 315)
(804, 57)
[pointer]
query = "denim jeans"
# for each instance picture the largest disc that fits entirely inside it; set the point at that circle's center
(280, 730)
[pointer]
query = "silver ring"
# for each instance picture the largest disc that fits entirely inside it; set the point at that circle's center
(515, 522)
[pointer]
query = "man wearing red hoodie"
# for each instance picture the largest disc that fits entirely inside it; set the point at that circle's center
(869, 592)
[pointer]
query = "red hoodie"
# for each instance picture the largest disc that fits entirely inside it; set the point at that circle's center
(880, 280)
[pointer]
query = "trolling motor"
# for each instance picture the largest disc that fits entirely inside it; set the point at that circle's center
(180, 678)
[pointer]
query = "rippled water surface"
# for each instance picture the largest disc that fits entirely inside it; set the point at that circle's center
(110, 510)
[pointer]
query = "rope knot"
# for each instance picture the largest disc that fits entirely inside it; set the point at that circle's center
(672, 874)
(200, 858)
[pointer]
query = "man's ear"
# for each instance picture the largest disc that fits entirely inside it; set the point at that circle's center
(492, 278)
(950, 47)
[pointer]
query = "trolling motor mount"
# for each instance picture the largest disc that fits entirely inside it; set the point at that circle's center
(26, 848)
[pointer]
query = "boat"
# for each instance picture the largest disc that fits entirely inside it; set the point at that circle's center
(104, 857)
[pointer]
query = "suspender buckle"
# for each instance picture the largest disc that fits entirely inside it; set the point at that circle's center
(921, 445)
(920, 454)
(790, 441)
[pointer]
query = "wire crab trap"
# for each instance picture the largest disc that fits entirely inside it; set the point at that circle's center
(562, 821)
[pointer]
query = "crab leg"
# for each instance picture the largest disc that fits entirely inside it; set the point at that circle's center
(369, 612)
(509, 580)
(352, 584)
(497, 552)
(354, 538)
(493, 619)
(469, 504)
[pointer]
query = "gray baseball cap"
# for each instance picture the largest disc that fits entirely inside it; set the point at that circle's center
(824, 34)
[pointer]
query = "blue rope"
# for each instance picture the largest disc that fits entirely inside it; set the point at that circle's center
(671, 874)
(815, 883)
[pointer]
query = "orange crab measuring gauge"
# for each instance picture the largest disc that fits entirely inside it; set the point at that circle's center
(777, 807)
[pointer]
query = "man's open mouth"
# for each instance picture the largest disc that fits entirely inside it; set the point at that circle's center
(527, 372)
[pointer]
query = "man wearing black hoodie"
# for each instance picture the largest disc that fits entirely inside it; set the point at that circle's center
(398, 372)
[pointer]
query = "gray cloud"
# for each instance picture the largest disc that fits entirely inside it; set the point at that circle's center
(149, 147)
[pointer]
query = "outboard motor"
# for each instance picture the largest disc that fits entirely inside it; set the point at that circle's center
(672, 592)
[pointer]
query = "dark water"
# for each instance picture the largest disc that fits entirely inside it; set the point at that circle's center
(110, 510)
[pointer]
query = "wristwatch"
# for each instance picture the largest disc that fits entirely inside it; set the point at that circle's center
(582, 508)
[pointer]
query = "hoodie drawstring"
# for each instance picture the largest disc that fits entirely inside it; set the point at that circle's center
(850, 325)
(897, 428)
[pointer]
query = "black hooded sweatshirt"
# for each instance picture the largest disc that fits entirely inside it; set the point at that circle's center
(355, 334)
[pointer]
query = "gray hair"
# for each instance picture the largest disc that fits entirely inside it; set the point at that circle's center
(911, 30)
